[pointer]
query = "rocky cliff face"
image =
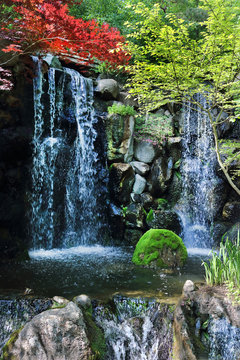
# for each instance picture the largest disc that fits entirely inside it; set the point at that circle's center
(16, 129)
(145, 182)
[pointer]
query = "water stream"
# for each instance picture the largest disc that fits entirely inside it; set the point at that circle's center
(67, 199)
(198, 170)
(136, 329)
(68, 225)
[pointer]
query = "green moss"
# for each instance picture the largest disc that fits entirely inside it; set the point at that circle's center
(9, 344)
(95, 336)
(154, 243)
(56, 305)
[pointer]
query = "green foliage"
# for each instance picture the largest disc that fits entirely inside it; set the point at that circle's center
(224, 267)
(153, 128)
(150, 216)
(162, 203)
(230, 150)
(149, 247)
(177, 164)
(170, 65)
(120, 109)
(124, 210)
(178, 175)
(117, 12)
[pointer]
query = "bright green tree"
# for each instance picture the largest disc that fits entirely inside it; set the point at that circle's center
(171, 65)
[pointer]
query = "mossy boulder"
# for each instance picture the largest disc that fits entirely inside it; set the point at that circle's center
(160, 248)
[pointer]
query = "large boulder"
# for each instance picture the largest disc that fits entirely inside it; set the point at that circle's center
(116, 221)
(140, 167)
(174, 148)
(145, 152)
(206, 324)
(232, 233)
(161, 173)
(54, 334)
(108, 89)
(121, 179)
(145, 199)
(160, 248)
(165, 219)
(119, 130)
(231, 211)
(134, 216)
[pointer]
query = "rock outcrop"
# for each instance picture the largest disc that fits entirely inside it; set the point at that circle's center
(206, 323)
(54, 334)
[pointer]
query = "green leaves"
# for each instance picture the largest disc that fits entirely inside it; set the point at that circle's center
(224, 267)
(169, 63)
(121, 110)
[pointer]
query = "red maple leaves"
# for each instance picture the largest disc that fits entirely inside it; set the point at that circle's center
(47, 26)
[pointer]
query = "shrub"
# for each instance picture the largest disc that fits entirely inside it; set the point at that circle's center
(153, 128)
(121, 109)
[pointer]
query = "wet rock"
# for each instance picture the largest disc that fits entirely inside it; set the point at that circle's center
(119, 130)
(121, 179)
(219, 229)
(174, 148)
(165, 219)
(116, 221)
(15, 312)
(140, 167)
(54, 334)
(108, 89)
(52, 61)
(139, 184)
(83, 301)
(206, 322)
(131, 236)
(175, 189)
(145, 152)
(225, 125)
(232, 233)
(134, 216)
(126, 99)
(145, 199)
(160, 175)
(231, 211)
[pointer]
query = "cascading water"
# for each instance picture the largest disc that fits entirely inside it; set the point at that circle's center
(196, 206)
(15, 313)
(138, 329)
(66, 205)
(224, 340)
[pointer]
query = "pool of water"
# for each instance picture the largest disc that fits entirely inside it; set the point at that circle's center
(96, 271)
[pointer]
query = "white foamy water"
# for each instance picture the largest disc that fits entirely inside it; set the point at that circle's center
(199, 251)
(99, 250)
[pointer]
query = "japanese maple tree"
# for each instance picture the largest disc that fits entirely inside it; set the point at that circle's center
(46, 26)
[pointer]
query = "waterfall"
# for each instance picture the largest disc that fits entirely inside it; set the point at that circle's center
(224, 340)
(196, 206)
(137, 329)
(67, 200)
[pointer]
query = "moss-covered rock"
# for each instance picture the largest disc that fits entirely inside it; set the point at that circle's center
(95, 336)
(160, 248)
